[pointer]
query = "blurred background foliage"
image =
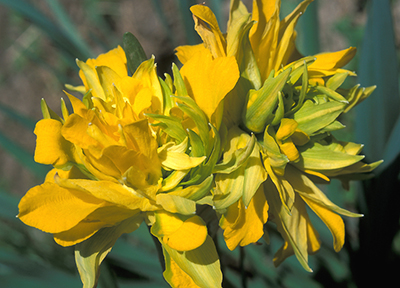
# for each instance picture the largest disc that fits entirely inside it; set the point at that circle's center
(39, 42)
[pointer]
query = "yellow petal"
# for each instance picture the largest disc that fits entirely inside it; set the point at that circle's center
(179, 161)
(77, 105)
(243, 226)
(180, 233)
(114, 59)
(176, 204)
(175, 276)
(184, 53)
(209, 85)
(147, 74)
(201, 264)
(75, 131)
(51, 146)
(286, 129)
(333, 221)
(103, 217)
(207, 27)
(107, 191)
(329, 63)
(54, 209)
(290, 150)
(189, 236)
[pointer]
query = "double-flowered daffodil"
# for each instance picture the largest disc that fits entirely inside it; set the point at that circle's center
(136, 148)
(244, 127)
(277, 128)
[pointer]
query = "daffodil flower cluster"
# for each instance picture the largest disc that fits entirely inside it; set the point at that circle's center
(243, 128)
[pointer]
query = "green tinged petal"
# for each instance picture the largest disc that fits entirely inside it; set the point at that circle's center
(90, 253)
(313, 117)
(201, 264)
(261, 103)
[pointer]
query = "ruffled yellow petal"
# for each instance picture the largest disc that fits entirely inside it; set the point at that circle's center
(332, 220)
(115, 59)
(103, 217)
(175, 276)
(178, 232)
(184, 53)
(201, 264)
(208, 86)
(51, 146)
(111, 192)
(207, 26)
(243, 226)
(330, 63)
(54, 209)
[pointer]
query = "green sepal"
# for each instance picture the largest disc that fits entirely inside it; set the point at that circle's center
(176, 204)
(205, 168)
(134, 51)
(261, 103)
(334, 126)
(291, 226)
(303, 90)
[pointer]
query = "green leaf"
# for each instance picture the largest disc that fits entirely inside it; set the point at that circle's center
(376, 117)
(134, 51)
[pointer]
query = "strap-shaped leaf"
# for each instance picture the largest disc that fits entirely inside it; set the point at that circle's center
(134, 51)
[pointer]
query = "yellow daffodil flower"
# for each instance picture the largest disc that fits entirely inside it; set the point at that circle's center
(278, 124)
(135, 149)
